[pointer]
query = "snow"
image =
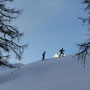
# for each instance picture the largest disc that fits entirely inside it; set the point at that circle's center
(65, 73)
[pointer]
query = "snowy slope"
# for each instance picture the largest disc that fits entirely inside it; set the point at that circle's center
(65, 73)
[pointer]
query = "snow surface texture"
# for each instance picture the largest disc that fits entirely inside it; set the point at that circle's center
(65, 73)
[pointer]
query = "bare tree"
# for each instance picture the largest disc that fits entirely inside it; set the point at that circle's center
(85, 46)
(9, 35)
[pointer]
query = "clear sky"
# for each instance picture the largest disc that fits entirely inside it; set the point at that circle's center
(50, 25)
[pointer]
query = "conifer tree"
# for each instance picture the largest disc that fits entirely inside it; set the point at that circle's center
(9, 35)
(85, 46)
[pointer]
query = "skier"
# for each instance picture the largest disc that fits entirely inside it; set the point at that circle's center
(61, 52)
(43, 55)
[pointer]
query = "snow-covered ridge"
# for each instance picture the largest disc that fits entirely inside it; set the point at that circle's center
(65, 73)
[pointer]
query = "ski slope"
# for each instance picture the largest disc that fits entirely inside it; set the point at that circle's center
(65, 73)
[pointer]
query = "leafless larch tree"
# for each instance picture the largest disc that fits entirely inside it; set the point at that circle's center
(84, 48)
(9, 35)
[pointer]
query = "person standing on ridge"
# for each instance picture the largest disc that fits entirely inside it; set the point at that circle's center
(61, 52)
(43, 55)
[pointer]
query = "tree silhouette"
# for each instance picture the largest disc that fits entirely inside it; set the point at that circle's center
(9, 35)
(85, 46)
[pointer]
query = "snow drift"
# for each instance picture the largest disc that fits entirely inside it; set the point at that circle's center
(65, 73)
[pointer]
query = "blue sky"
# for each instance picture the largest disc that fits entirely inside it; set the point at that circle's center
(50, 25)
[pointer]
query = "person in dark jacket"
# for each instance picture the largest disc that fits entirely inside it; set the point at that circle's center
(61, 52)
(43, 55)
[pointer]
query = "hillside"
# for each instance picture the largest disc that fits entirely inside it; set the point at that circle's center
(65, 73)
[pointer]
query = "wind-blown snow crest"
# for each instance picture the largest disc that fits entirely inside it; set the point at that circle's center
(65, 73)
